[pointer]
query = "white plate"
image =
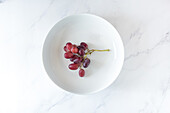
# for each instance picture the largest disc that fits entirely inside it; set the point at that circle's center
(98, 34)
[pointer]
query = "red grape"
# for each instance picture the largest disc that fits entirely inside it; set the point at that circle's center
(81, 52)
(84, 44)
(81, 47)
(74, 49)
(68, 55)
(73, 66)
(86, 63)
(77, 60)
(65, 49)
(73, 58)
(69, 46)
(81, 72)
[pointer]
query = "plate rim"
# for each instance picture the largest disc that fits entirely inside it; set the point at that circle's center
(95, 91)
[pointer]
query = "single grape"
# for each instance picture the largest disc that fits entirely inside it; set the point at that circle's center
(73, 66)
(69, 46)
(81, 72)
(86, 63)
(68, 55)
(65, 49)
(73, 58)
(81, 47)
(84, 44)
(74, 49)
(81, 52)
(78, 60)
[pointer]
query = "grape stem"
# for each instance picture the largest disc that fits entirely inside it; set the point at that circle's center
(92, 50)
(100, 50)
(81, 66)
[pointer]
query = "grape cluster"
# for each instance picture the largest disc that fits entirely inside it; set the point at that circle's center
(78, 55)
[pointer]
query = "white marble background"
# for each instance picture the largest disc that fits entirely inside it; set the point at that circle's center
(143, 85)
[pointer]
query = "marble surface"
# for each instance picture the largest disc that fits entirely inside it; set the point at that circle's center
(143, 85)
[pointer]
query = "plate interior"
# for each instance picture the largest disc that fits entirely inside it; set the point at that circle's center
(98, 34)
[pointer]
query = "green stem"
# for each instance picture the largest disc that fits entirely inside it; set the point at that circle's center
(81, 66)
(86, 55)
(101, 50)
(92, 50)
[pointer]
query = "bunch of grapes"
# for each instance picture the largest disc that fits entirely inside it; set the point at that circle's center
(78, 55)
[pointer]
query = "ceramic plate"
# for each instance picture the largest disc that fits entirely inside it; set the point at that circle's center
(98, 34)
